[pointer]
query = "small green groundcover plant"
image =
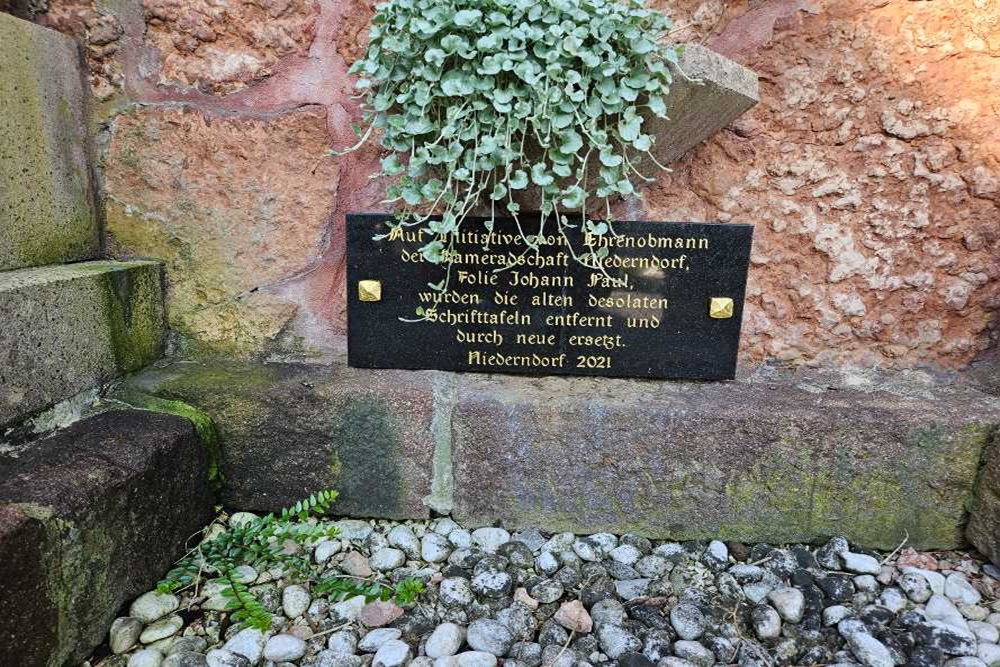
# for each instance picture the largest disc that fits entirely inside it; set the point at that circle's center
(477, 99)
(280, 541)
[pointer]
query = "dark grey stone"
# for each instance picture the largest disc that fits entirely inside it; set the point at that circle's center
(110, 502)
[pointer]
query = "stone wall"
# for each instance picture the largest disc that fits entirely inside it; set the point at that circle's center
(871, 168)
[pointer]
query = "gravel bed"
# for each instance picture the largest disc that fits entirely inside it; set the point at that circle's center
(525, 599)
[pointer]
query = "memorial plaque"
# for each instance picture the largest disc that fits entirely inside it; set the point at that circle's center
(666, 303)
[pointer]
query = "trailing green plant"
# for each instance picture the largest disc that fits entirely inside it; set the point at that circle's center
(482, 98)
(275, 541)
(344, 587)
(264, 542)
(243, 606)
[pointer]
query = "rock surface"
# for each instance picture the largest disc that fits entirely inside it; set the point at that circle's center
(386, 461)
(105, 507)
(870, 172)
(97, 320)
(47, 209)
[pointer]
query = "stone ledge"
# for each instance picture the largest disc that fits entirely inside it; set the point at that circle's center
(68, 327)
(784, 460)
(717, 92)
(773, 462)
(286, 430)
(47, 211)
(89, 518)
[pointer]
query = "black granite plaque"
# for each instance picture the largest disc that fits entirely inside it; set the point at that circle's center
(510, 309)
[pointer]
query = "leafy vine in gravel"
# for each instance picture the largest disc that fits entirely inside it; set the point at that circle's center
(482, 98)
(275, 541)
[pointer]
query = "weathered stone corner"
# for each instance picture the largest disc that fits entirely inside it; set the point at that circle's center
(984, 511)
(90, 518)
(709, 92)
(69, 327)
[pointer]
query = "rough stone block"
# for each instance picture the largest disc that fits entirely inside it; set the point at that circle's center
(90, 518)
(984, 516)
(785, 460)
(68, 327)
(716, 92)
(47, 212)
(26, 604)
(288, 430)
(769, 462)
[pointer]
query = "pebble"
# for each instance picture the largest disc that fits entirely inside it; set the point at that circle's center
(354, 530)
(446, 639)
(489, 636)
(456, 592)
(249, 643)
(940, 608)
(892, 599)
(490, 539)
(343, 642)
(492, 584)
(625, 554)
(573, 616)
(531, 538)
(988, 653)
(580, 601)
(402, 538)
(789, 602)
(435, 548)
(615, 641)
(348, 610)
(460, 539)
(934, 579)
(284, 648)
(325, 550)
(145, 658)
(915, 586)
(152, 606)
(393, 653)
(379, 613)
(387, 559)
(766, 622)
(958, 588)
(870, 651)
(468, 659)
(374, 639)
(547, 591)
(220, 657)
(547, 563)
(716, 555)
(694, 653)
(124, 634)
(295, 600)
(193, 644)
(860, 563)
(161, 629)
(687, 620)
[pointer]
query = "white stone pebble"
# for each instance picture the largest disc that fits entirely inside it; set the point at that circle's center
(860, 563)
(284, 648)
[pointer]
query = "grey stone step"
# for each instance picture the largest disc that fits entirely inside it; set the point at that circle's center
(790, 460)
(65, 328)
(47, 211)
(90, 518)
